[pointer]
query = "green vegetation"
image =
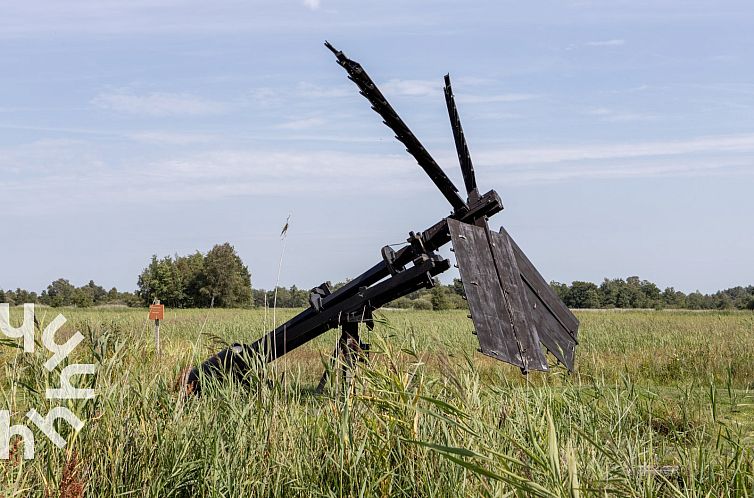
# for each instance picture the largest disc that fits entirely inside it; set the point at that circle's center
(221, 279)
(660, 405)
(62, 293)
(636, 293)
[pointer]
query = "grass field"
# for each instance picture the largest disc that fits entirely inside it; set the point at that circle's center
(660, 404)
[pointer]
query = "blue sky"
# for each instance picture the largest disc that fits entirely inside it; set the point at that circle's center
(620, 134)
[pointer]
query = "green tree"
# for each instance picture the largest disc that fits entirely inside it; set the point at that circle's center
(457, 287)
(651, 294)
(23, 296)
(82, 298)
(227, 281)
(161, 280)
(723, 301)
(561, 290)
(583, 295)
(673, 298)
(59, 293)
(610, 292)
(695, 301)
(439, 298)
(97, 293)
(190, 271)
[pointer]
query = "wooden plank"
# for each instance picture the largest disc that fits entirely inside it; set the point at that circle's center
(556, 324)
(552, 334)
(493, 321)
(540, 287)
(517, 302)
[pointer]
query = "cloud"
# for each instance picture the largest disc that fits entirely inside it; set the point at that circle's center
(79, 172)
(306, 89)
(613, 116)
(301, 124)
(432, 88)
(711, 146)
(158, 104)
(312, 4)
(86, 172)
(170, 138)
(488, 99)
(606, 43)
(414, 88)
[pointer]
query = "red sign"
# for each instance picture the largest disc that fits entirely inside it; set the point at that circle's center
(157, 312)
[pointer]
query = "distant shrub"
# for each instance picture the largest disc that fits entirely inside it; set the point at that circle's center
(401, 302)
(421, 304)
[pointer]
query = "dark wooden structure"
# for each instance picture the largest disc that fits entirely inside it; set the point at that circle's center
(515, 312)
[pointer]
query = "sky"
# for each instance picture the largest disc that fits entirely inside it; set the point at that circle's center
(619, 134)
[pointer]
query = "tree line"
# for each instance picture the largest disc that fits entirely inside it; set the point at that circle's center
(219, 278)
(636, 293)
(62, 292)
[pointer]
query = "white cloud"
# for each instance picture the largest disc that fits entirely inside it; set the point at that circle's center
(170, 138)
(312, 4)
(67, 169)
(158, 104)
(306, 89)
(432, 88)
(421, 88)
(301, 124)
(606, 43)
(488, 99)
(713, 145)
(614, 116)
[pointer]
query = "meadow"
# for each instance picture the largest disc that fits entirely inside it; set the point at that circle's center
(661, 404)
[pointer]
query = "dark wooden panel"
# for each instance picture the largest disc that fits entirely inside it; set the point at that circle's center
(487, 302)
(552, 334)
(517, 302)
(557, 326)
(540, 287)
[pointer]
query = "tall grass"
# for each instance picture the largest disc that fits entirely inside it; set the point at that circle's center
(660, 405)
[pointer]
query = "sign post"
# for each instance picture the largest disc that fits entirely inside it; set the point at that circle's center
(157, 313)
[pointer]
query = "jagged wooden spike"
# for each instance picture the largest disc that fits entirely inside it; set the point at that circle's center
(369, 89)
(462, 148)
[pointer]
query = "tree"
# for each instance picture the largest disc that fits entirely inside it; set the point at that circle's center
(723, 301)
(190, 271)
(650, 293)
(610, 292)
(59, 293)
(161, 280)
(112, 295)
(24, 296)
(674, 299)
(227, 280)
(561, 290)
(750, 304)
(584, 295)
(695, 301)
(439, 298)
(97, 293)
(457, 287)
(82, 298)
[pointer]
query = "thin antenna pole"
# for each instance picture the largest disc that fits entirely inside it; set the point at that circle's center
(283, 237)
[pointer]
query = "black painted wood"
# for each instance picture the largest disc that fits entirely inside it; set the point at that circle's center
(517, 302)
(501, 332)
(557, 325)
